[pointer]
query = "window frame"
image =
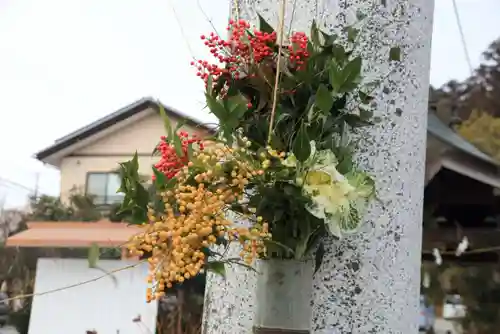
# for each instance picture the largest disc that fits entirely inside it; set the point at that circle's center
(105, 201)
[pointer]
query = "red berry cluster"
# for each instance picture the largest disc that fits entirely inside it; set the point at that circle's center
(236, 54)
(247, 48)
(243, 49)
(298, 49)
(170, 163)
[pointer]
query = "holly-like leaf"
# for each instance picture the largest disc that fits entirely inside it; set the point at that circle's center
(166, 121)
(315, 34)
(216, 107)
(318, 257)
(134, 164)
(324, 99)
(395, 53)
(93, 255)
(210, 85)
(237, 107)
(339, 53)
(345, 164)
(365, 98)
(180, 124)
(352, 33)
(190, 151)
(178, 146)
(234, 102)
(329, 39)
(336, 78)
(351, 73)
(302, 145)
(217, 267)
(365, 114)
(264, 26)
(160, 178)
(355, 121)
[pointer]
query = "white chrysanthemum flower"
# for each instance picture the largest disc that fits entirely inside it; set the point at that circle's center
(338, 199)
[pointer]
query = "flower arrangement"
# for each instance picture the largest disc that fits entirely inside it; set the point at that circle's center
(280, 161)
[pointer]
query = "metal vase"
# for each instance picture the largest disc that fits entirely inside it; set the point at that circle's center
(284, 294)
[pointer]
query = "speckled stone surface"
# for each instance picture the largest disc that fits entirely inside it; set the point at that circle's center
(368, 283)
(229, 302)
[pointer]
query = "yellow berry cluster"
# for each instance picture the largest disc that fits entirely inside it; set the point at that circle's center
(194, 218)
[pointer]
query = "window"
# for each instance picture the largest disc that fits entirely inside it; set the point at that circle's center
(104, 186)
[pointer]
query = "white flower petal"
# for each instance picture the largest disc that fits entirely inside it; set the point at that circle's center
(334, 228)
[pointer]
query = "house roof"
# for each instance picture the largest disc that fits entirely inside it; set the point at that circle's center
(109, 120)
(444, 133)
(73, 234)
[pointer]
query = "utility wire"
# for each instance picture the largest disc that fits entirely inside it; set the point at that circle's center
(8, 182)
(462, 36)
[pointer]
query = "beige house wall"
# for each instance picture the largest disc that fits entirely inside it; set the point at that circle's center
(106, 153)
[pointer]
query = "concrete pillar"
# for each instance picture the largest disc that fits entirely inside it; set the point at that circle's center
(368, 283)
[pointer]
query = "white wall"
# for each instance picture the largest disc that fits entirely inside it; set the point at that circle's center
(100, 305)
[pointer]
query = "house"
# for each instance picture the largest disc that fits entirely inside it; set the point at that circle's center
(462, 186)
(88, 158)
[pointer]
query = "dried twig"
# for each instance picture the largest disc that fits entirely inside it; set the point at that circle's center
(281, 28)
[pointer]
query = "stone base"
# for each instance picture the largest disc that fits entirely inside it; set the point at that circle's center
(263, 330)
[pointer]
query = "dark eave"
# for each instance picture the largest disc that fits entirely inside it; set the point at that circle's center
(445, 134)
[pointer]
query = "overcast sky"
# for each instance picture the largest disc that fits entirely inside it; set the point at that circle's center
(66, 63)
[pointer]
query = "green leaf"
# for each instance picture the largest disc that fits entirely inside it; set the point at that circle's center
(324, 99)
(156, 151)
(318, 257)
(166, 121)
(351, 73)
(365, 114)
(134, 163)
(315, 34)
(180, 124)
(339, 53)
(329, 39)
(336, 78)
(216, 108)
(234, 102)
(160, 178)
(276, 143)
(237, 107)
(352, 33)
(355, 121)
(210, 85)
(93, 255)
(395, 53)
(190, 151)
(302, 145)
(264, 26)
(345, 165)
(178, 146)
(217, 267)
(365, 98)
(301, 247)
